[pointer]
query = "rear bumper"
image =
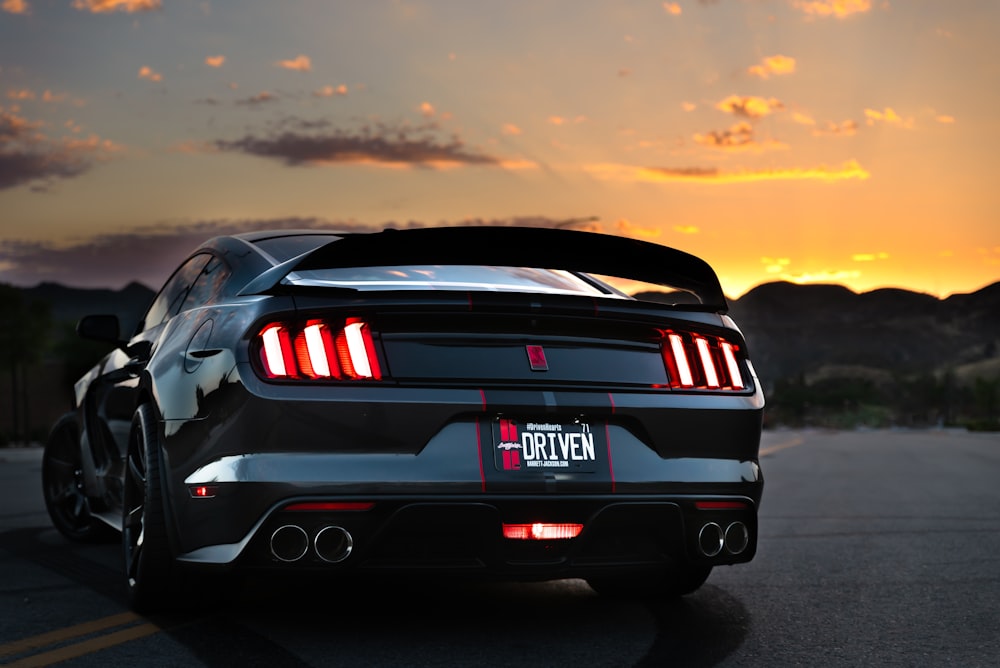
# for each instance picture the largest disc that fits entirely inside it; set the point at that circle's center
(465, 535)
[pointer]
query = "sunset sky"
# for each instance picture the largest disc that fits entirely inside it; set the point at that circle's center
(820, 141)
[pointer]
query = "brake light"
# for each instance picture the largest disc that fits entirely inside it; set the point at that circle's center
(541, 531)
(697, 361)
(319, 349)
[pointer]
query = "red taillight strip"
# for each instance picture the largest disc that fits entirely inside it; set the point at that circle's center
(310, 506)
(319, 350)
(701, 362)
(721, 505)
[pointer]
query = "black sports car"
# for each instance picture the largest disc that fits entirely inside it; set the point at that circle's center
(458, 400)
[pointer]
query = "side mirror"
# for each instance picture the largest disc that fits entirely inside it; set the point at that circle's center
(104, 328)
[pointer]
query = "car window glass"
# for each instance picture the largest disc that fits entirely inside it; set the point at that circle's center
(207, 285)
(175, 291)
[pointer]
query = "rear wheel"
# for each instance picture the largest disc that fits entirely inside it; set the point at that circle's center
(149, 566)
(671, 582)
(63, 484)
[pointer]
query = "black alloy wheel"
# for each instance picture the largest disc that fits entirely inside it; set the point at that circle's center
(63, 484)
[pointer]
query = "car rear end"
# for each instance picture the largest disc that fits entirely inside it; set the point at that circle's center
(535, 425)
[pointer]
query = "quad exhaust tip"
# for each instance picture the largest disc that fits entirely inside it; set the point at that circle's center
(712, 539)
(289, 543)
(333, 544)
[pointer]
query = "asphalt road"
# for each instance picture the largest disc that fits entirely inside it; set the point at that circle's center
(877, 548)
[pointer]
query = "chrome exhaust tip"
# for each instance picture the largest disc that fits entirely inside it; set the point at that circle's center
(289, 543)
(737, 538)
(333, 544)
(711, 539)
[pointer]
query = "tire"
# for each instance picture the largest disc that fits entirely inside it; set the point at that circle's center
(149, 567)
(671, 582)
(63, 485)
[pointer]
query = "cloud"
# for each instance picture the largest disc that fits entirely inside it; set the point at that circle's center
(149, 254)
(628, 229)
(107, 6)
(147, 73)
(837, 8)
(22, 94)
(944, 118)
(562, 120)
(711, 175)
(846, 128)
(686, 229)
(775, 265)
(825, 276)
(776, 65)
(298, 64)
(330, 91)
(29, 158)
(262, 97)
(510, 129)
(888, 117)
(215, 61)
(688, 106)
(315, 143)
(749, 106)
(739, 137)
(427, 109)
(870, 257)
(16, 7)
(672, 8)
(803, 119)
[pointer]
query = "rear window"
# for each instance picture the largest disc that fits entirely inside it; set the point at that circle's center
(451, 277)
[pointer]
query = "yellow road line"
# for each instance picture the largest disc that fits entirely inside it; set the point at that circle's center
(87, 646)
(790, 443)
(68, 633)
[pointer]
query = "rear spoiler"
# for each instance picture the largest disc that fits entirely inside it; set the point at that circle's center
(542, 247)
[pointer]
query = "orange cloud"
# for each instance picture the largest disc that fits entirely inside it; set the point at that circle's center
(869, 257)
(846, 128)
(299, 64)
(427, 109)
(147, 73)
(107, 6)
(688, 106)
(23, 94)
(629, 229)
(749, 106)
(630, 173)
(510, 129)
(330, 91)
(775, 265)
(686, 229)
(803, 119)
(889, 117)
(15, 7)
(944, 118)
(737, 138)
(825, 276)
(215, 61)
(672, 8)
(837, 8)
(561, 120)
(773, 65)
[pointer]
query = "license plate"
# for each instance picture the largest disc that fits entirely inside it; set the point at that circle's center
(523, 445)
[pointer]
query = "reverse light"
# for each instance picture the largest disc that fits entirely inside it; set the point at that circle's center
(319, 349)
(701, 362)
(541, 531)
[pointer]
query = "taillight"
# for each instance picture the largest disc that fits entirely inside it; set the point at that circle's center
(318, 350)
(698, 361)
